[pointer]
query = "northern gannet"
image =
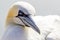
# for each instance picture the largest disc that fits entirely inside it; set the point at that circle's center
(19, 19)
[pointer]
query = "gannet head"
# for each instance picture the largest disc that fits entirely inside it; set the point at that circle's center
(20, 13)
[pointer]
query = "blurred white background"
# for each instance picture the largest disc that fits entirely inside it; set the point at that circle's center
(43, 8)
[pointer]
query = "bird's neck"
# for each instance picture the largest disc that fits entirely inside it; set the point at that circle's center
(15, 32)
(12, 25)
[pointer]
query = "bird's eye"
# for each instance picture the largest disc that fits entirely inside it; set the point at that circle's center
(21, 13)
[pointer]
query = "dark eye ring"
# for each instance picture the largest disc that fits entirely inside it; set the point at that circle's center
(21, 13)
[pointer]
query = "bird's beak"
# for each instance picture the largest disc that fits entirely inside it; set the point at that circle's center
(30, 23)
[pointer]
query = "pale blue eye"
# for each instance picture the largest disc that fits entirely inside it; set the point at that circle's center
(20, 12)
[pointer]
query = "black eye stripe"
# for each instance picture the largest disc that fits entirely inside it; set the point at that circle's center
(21, 13)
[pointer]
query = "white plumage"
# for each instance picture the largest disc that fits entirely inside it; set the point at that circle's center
(48, 25)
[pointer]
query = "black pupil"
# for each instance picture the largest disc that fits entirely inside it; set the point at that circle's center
(21, 13)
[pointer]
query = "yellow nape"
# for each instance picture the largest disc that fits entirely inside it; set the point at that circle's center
(11, 13)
